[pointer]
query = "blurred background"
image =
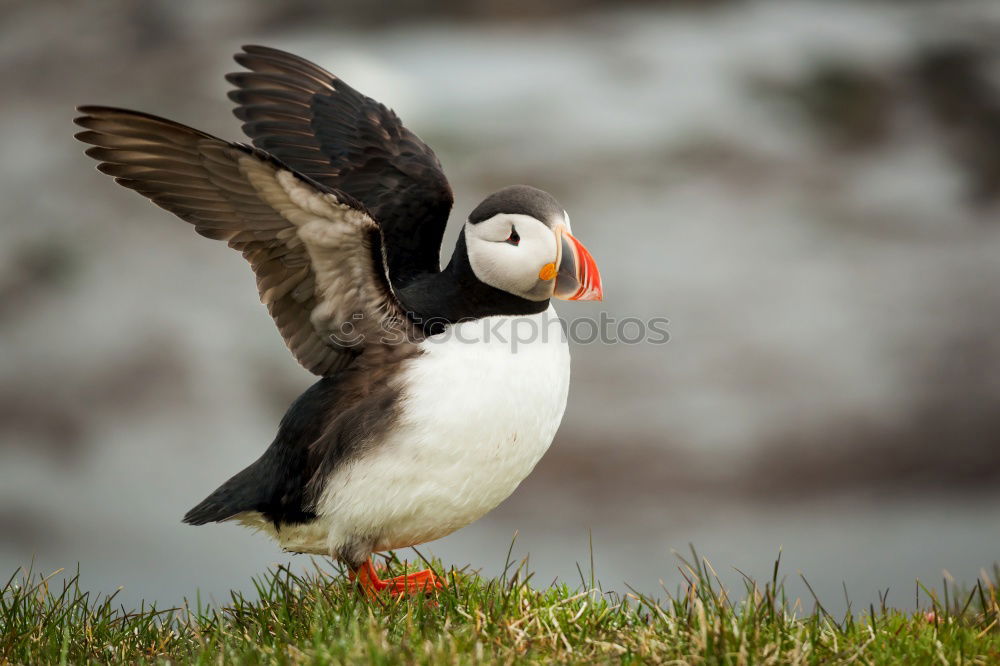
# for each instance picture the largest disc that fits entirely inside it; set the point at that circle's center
(807, 190)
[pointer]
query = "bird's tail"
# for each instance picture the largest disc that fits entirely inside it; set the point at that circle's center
(238, 494)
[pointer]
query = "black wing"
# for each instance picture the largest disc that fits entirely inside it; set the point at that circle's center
(321, 127)
(315, 251)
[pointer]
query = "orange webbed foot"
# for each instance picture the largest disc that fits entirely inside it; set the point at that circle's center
(425, 581)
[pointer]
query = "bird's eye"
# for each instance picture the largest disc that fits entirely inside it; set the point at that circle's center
(513, 239)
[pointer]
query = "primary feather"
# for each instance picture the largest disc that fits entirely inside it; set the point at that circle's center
(316, 252)
(323, 128)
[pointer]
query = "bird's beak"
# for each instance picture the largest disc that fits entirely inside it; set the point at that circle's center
(577, 277)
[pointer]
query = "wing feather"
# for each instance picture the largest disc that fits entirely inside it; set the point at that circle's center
(331, 133)
(316, 252)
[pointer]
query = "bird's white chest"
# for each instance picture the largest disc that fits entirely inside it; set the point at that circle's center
(479, 408)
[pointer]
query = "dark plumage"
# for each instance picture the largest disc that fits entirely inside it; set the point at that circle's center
(331, 423)
(324, 129)
(199, 178)
(521, 199)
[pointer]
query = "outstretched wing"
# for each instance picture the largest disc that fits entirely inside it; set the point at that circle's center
(316, 252)
(321, 127)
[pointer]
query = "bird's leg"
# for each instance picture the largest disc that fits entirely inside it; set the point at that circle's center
(420, 581)
(367, 579)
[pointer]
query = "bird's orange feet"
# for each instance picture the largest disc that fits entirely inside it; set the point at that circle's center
(414, 583)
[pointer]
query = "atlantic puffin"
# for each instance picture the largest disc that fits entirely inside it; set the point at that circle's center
(440, 389)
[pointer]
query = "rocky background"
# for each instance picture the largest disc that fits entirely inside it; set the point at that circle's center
(806, 190)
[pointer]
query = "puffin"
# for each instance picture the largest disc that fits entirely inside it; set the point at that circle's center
(439, 389)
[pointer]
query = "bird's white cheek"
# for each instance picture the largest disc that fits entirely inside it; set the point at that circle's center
(513, 268)
(495, 265)
(517, 271)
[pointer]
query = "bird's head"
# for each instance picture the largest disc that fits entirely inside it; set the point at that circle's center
(518, 240)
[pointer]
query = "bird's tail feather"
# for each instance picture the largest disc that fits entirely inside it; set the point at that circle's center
(238, 494)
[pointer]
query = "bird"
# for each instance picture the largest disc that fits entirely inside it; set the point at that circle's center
(439, 388)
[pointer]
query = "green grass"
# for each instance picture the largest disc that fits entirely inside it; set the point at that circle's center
(319, 618)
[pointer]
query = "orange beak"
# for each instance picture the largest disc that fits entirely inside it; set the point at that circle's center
(577, 277)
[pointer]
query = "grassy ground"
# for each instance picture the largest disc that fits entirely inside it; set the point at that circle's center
(319, 618)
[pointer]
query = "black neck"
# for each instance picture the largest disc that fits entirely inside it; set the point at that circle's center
(455, 294)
